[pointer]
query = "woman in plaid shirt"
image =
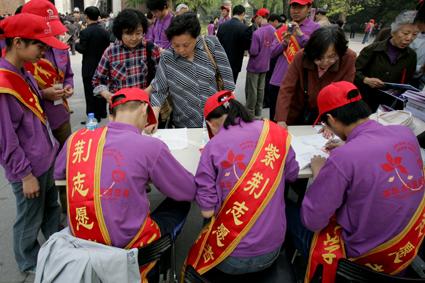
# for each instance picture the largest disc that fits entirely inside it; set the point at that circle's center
(125, 63)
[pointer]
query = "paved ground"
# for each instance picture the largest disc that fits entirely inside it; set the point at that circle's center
(9, 272)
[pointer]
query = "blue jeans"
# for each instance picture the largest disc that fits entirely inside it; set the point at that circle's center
(238, 265)
(300, 235)
(32, 215)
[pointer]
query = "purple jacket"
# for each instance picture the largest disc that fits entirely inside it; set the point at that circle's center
(260, 51)
(141, 159)
(307, 27)
(373, 183)
(157, 33)
(222, 162)
(57, 114)
(25, 144)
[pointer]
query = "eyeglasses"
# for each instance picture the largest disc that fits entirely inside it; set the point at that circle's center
(330, 59)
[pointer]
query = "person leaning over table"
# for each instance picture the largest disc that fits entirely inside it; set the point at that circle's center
(326, 58)
(112, 194)
(187, 74)
(242, 171)
(366, 195)
(390, 61)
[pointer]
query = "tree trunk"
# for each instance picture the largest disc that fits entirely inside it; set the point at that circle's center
(286, 7)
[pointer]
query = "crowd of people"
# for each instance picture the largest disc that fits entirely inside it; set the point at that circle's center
(365, 202)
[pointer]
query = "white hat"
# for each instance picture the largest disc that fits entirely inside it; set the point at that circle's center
(181, 6)
(76, 9)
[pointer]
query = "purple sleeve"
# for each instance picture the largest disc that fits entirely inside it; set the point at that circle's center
(323, 197)
(149, 33)
(278, 47)
(291, 166)
(302, 40)
(205, 179)
(255, 44)
(69, 75)
(171, 178)
(60, 164)
(13, 157)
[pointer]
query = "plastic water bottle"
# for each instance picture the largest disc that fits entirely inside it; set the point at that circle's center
(91, 123)
(205, 136)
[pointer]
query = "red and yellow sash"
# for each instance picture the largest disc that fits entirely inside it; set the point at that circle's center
(46, 75)
(84, 161)
(390, 257)
(246, 201)
(293, 45)
(13, 84)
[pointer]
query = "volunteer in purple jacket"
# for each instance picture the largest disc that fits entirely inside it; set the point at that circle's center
(284, 48)
(373, 184)
(130, 161)
(163, 18)
(54, 75)
(27, 147)
(230, 167)
(259, 63)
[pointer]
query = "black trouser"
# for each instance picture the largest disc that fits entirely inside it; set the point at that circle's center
(273, 92)
(94, 104)
(170, 216)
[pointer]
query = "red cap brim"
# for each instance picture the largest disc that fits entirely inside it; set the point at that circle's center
(53, 42)
(57, 27)
(151, 116)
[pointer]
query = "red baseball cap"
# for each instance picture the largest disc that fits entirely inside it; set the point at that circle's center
(301, 2)
(30, 26)
(263, 12)
(45, 8)
(134, 94)
(215, 101)
(334, 96)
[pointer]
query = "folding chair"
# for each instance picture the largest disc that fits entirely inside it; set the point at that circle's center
(349, 271)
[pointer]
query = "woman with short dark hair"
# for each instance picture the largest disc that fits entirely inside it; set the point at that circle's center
(131, 60)
(189, 71)
(325, 59)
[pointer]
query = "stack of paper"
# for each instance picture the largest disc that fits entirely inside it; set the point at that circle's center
(306, 147)
(416, 103)
(174, 138)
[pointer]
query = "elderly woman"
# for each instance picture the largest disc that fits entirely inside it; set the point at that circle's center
(391, 60)
(326, 58)
(189, 72)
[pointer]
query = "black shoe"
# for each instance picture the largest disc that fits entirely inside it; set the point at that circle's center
(83, 122)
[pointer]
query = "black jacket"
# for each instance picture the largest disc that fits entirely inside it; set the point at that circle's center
(235, 37)
(93, 41)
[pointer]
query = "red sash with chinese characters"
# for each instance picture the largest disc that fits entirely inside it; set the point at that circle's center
(84, 161)
(46, 75)
(246, 201)
(13, 84)
(390, 257)
(293, 45)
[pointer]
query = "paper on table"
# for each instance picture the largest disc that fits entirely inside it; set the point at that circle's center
(306, 147)
(174, 138)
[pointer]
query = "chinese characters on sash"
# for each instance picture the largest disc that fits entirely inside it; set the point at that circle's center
(245, 202)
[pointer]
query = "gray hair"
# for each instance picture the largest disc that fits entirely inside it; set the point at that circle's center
(404, 18)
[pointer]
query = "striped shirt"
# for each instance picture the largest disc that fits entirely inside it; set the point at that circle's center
(190, 83)
(122, 67)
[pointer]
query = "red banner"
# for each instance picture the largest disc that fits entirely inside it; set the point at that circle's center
(293, 45)
(246, 201)
(46, 75)
(13, 84)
